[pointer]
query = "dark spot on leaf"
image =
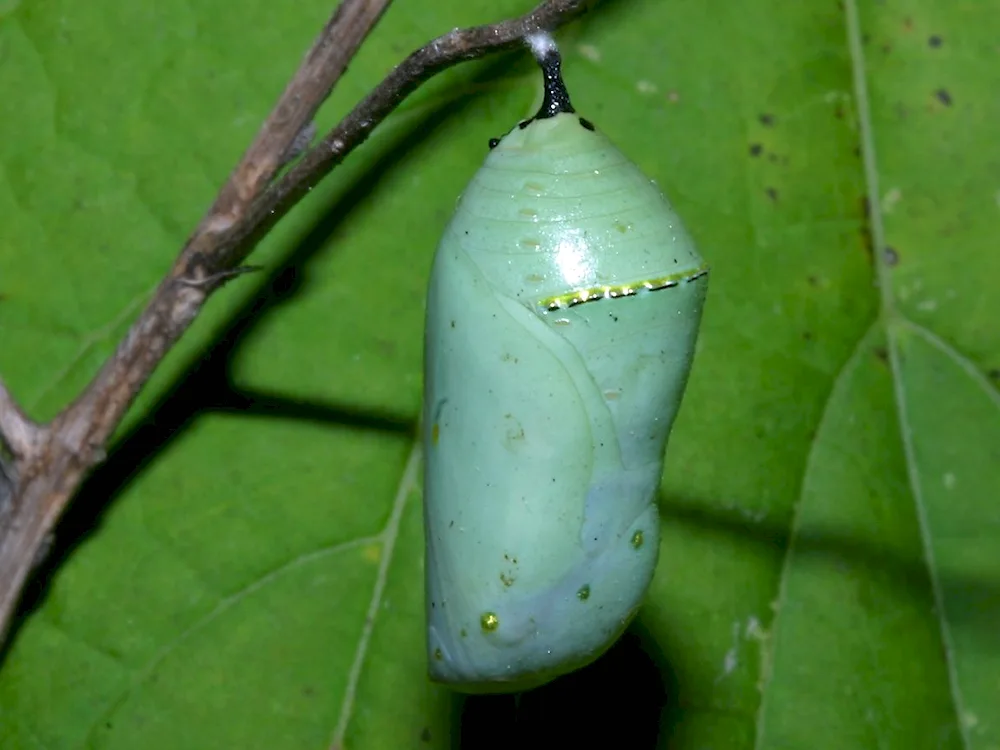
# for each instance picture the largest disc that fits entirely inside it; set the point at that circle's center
(857, 151)
(935, 40)
(943, 96)
(813, 281)
(807, 336)
(772, 194)
(838, 111)
(755, 149)
(882, 353)
(890, 257)
(425, 735)
(766, 120)
(286, 283)
(907, 24)
(994, 374)
(887, 48)
(587, 123)
(867, 241)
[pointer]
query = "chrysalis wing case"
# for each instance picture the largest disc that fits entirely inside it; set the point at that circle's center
(564, 303)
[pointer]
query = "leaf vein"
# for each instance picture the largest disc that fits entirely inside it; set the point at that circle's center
(388, 538)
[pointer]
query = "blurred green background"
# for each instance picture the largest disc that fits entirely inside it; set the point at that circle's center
(246, 569)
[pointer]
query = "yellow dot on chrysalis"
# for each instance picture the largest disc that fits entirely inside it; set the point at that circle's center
(637, 539)
(489, 622)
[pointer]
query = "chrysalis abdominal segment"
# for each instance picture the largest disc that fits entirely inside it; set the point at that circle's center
(544, 434)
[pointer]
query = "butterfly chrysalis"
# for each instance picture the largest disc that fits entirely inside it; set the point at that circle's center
(564, 303)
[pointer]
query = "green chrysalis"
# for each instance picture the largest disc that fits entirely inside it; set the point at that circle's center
(563, 308)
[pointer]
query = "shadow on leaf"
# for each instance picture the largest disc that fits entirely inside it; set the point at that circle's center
(625, 698)
(909, 575)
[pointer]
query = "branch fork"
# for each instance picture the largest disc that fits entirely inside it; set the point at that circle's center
(42, 465)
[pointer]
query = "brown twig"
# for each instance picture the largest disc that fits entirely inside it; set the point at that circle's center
(46, 463)
(19, 434)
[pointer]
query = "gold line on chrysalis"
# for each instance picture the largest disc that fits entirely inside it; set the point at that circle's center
(593, 294)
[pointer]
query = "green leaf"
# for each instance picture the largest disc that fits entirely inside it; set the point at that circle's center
(246, 569)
